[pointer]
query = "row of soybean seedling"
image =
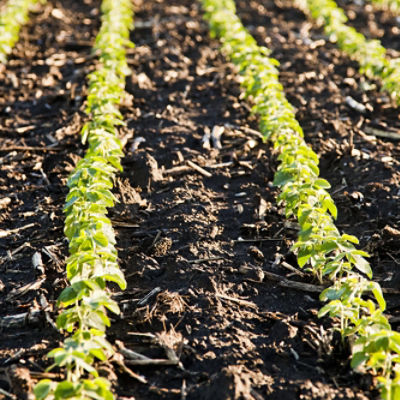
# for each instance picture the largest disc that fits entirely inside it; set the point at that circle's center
(353, 298)
(370, 54)
(93, 258)
(13, 16)
(391, 5)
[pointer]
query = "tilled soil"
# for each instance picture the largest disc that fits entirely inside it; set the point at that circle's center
(214, 291)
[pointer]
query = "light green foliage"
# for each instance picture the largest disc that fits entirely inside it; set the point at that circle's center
(12, 17)
(93, 257)
(370, 54)
(353, 299)
(391, 5)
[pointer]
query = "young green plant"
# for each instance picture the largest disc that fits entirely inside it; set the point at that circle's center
(391, 5)
(354, 300)
(370, 54)
(14, 14)
(93, 256)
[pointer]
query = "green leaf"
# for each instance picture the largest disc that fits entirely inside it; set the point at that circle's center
(43, 389)
(98, 320)
(358, 359)
(86, 366)
(282, 177)
(350, 238)
(322, 183)
(327, 309)
(85, 132)
(60, 355)
(98, 389)
(63, 320)
(328, 246)
(65, 390)
(101, 239)
(68, 296)
(71, 202)
(377, 292)
(115, 275)
(332, 293)
(303, 256)
(330, 205)
(98, 353)
(362, 265)
(303, 215)
(361, 253)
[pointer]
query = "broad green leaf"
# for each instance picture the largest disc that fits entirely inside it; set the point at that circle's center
(358, 359)
(43, 389)
(80, 362)
(282, 177)
(68, 296)
(327, 309)
(328, 246)
(98, 353)
(350, 238)
(362, 265)
(322, 183)
(377, 292)
(101, 239)
(115, 275)
(303, 256)
(66, 390)
(330, 205)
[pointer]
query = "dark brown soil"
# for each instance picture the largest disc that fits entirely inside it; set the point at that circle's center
(199, 251)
